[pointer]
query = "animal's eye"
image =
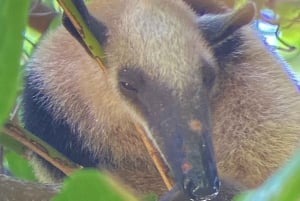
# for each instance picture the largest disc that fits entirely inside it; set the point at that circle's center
(127, 86)
(130, 82)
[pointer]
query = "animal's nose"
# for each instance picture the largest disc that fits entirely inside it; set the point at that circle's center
(195, 186)
(192, 184)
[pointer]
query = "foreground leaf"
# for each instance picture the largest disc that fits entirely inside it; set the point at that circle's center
(19, 167)
(91, 185)
(13, 17)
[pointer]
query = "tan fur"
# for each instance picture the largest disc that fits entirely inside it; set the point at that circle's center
(256, 114)
(256, 117)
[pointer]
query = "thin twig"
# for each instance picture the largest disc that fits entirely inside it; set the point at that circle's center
(14, 114)
(1, 160)
(155, 156)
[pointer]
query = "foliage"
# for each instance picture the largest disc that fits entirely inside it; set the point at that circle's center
(19, 166)
(289, 22)
(280, 23)
(13, 16)
(91, 185)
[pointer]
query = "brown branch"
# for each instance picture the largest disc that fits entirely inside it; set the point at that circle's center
(42, 149)
(13, 189)
(156, 158)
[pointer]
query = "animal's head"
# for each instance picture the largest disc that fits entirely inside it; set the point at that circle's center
(160, 61)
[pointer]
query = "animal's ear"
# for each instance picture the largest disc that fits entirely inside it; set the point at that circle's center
(96, 27)
(217, 27)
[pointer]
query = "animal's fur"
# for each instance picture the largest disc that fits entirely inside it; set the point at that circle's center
(255, 106)
(258, 96)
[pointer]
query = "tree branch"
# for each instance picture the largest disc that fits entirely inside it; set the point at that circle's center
(30, 142)
(12, 189)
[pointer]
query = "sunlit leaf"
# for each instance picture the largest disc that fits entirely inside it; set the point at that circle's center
(19, 167)
(13, 17)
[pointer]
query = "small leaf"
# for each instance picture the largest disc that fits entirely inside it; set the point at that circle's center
(18, 166)
(91, 185)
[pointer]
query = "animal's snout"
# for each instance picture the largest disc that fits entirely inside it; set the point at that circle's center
(197, 189)
(191, 184)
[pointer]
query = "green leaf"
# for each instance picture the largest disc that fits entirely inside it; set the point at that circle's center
(13, 17)
(288, 13)
(287, 10)
(19, 166)
(91, 185)
(87, 35)
(11, 144)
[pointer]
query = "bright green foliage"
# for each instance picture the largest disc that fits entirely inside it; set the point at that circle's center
(289, 19)
(91, 185)
(13, 17)
(19, 166)
(287, 11)
(88, 37)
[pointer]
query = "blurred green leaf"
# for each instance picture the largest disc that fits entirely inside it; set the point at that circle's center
(13, 17)
(288, 13)
(18, 166)
(290, 36)
(91, 185)
(287, 10)
(11, 144)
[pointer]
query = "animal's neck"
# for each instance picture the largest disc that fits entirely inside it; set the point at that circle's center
(253, 117)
